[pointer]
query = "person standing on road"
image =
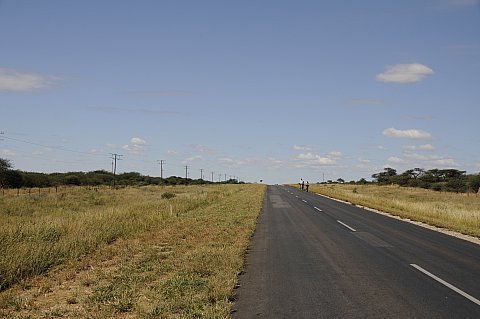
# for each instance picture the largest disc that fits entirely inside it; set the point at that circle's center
(306, 186)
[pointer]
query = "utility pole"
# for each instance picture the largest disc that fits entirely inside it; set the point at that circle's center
(186, 172)
(115, 158)
(212, 177)
(161, 167)
(201, 173)
(219, 177)
(323, 177)
(225, 177)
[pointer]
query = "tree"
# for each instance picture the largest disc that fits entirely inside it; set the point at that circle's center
(362, 181)
(385, 177)
(13, 179)
(5, 169)
(5, 164)
(341, 180)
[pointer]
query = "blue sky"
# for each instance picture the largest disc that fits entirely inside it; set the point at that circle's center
(271, 90)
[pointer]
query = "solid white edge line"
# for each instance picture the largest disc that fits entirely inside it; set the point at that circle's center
(443, 282)
(317, 208)
(346, 225)
(304, 201)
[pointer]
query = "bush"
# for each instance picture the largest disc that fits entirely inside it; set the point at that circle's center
(168, 195)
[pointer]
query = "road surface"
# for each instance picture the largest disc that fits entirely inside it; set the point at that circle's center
(312, 257)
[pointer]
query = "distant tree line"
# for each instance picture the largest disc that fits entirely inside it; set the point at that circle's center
(450, 180)
(10, 178)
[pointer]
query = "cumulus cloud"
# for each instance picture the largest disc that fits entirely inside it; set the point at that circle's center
(231, 162)
(20, 81)
(138, 141)
(396, 160)
(203, 148)
(192, 159)
(404, 73)
(137, 146)
(335, 154)
(419, 160)
(409, 134)
(315, 159)
(304, 148)
(425, 147)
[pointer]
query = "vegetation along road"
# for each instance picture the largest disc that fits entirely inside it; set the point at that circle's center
(313, 257)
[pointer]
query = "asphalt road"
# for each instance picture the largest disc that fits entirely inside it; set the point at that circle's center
(312, 257)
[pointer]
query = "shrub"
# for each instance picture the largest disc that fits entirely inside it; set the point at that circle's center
(168, 195)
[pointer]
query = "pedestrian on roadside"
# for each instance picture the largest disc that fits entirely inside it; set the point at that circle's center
(307, 186)
(303, 184)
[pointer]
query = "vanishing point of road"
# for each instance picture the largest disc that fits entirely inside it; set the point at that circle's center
(313, 257)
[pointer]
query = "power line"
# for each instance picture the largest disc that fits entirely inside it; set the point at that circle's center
(49, 146)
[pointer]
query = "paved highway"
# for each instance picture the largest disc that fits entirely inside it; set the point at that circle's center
(312, 257)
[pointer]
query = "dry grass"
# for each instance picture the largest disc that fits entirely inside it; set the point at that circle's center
(457, 212)
(128, 254)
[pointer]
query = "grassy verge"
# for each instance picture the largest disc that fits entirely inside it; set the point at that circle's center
(127, 254)
(457, 212)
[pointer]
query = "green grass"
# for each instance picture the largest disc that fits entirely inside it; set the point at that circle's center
(126, 253)
(457, 212)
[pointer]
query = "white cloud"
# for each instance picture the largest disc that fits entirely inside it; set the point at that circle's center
(138, 141)
(404, 73)
(315, 159)
(335, 154)
(230, 162)
(137, 146)
(172, 152)
(7, 152)
(364, 160)
(382, 148)
(425, 147)
(203, 148)
(192, 159)
(14, 80)
(302, 148)
(431, 160)
(396, 160)
(410, 134)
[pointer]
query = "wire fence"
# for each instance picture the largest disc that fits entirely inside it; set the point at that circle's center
(54, 190)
